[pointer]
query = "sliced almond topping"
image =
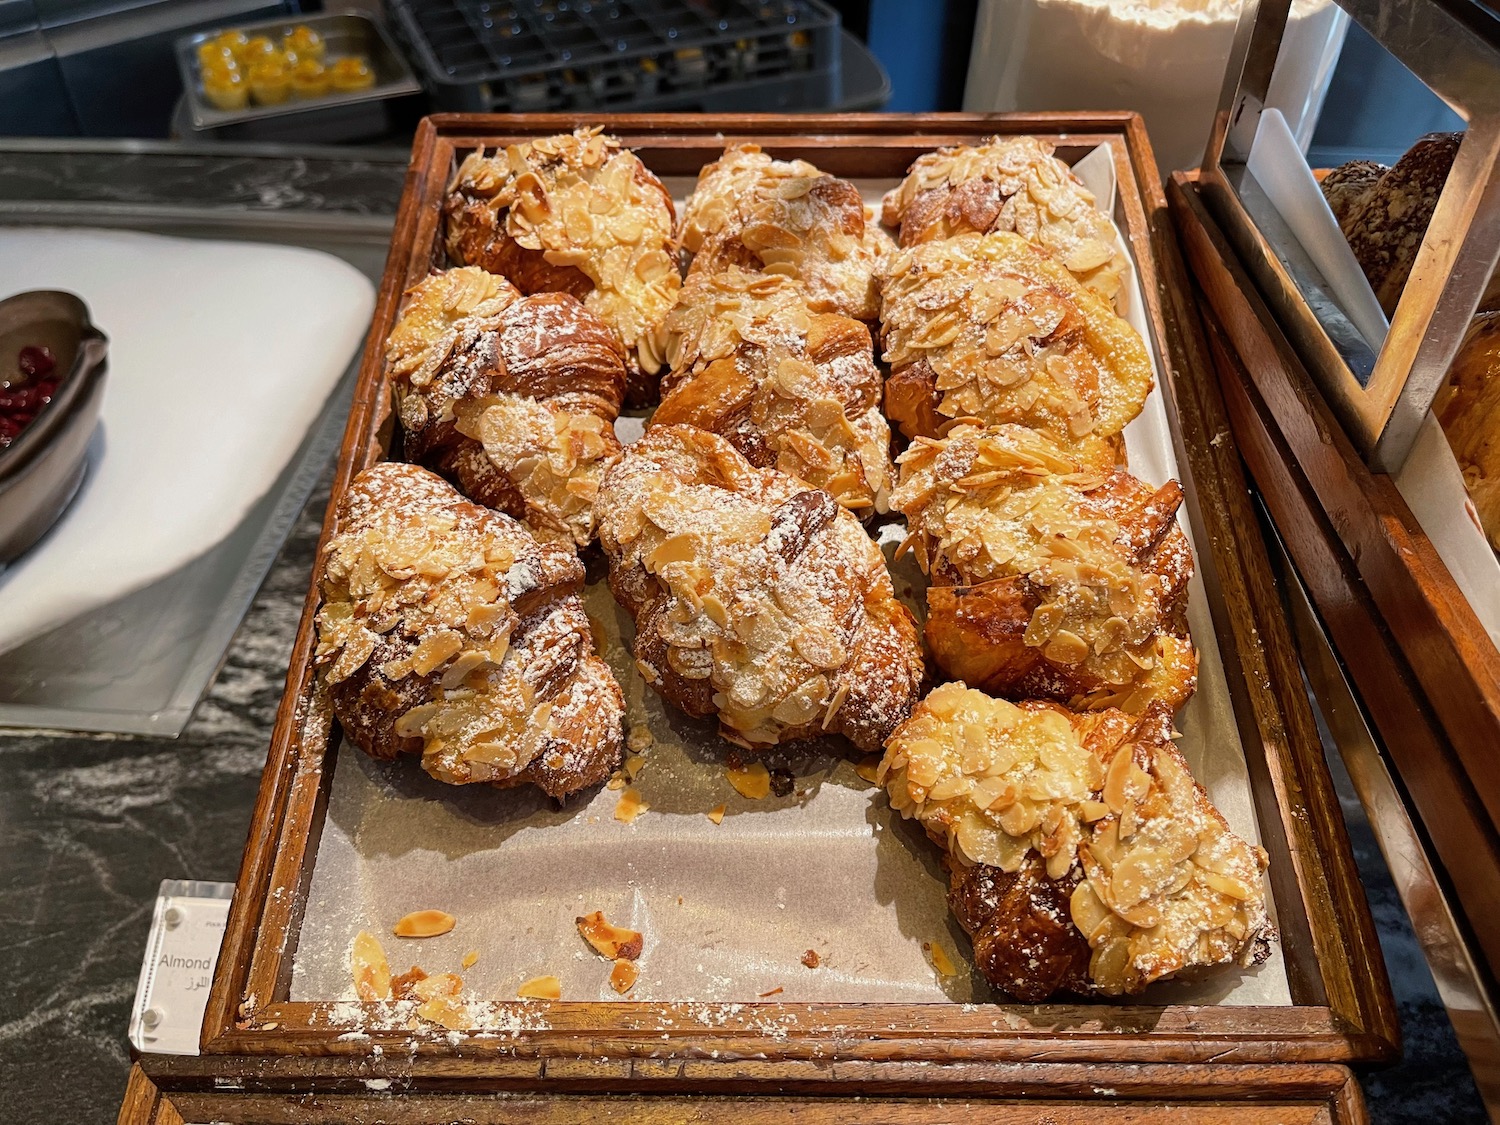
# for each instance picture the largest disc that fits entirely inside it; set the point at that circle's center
(469, 959)
(372, 973)
(940, 959)
(424, 923)
(623, 976)
(716, 814)
(541, 988)
(629, 806)
(609, 941)
(868, 769)
(752, 781)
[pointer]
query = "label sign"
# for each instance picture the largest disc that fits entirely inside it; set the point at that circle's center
(178, 970)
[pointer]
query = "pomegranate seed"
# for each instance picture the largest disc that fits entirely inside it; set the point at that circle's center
(36, 360)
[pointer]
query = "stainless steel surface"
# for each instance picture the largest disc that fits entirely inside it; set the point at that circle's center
(346, 33)
(1381, 408)
(1461, 980)
(141, 664)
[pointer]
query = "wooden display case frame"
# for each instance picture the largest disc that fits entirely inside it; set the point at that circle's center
(1342, 1008)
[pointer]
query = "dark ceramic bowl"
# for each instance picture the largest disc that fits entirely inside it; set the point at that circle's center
(40, 470)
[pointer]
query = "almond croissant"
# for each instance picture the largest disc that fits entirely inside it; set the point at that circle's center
(512, 398)
(755, 597)
(786, 217)
(1084, 857)
(1009, 184)
(994, 328)
(789, 388)
(574, 213)
(1054, 574)
(447, 630)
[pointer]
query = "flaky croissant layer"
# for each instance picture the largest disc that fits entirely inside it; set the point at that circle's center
(447, 630)
(1085, 857)
(755, 598)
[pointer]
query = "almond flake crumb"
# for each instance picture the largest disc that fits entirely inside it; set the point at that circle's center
(940, 959)
(716, 814)
(441, 1002)
(752, 781)
(623, 976)
(616, 781)
(868, 769)
(469, 959)
(541, 988)
(774, 992)
(639, 739)
(633, 764)
(811, 959)
(372, 972)
(614, 943)
(629, 806)
(424, 923)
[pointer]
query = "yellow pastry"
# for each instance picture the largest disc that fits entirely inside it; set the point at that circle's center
(225, 89)
(352, 73)
(215, 55)
(305, 42)
(258, 50)
(310, 79)
(233, 40)
(270, 84)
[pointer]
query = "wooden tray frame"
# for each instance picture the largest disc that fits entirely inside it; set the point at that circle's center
(1342, 1010)
(962, 1094)
(1425, 667)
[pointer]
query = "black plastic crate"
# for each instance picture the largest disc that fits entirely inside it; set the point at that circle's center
(523, 56)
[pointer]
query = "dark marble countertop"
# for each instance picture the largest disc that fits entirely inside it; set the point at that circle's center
(89, 826)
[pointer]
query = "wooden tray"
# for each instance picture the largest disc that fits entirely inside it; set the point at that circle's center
(1342, 1007)
(1425, 666)
(965, 1094)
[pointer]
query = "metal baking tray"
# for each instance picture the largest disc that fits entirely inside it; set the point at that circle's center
(346, 33)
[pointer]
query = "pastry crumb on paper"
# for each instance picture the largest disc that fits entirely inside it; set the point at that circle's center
(541, 988)
(424, 924)
(752, 782)
(614, 943)
(629, 806)
(623, 976)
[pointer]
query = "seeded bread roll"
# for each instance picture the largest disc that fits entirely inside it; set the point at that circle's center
(1469, 410)
(1346, 186)
(1386, 229)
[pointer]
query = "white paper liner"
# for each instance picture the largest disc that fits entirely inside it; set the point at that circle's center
(729, 910)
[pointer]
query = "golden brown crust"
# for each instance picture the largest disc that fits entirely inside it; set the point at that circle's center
(755, 597)
(1469, 411)
(1085, 858)
(512, 398)
(574, 213)
(447, 630)
(789, 388)
(1054, 574)
(1000, 331)
(1386, 229)
(1009, 184)
(786, 217)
